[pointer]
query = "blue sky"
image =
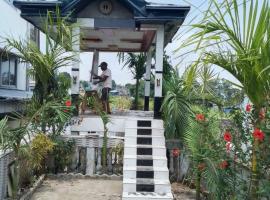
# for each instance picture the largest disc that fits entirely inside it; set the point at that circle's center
(123, 76)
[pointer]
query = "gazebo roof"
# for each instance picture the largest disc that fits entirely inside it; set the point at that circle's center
(142, 14)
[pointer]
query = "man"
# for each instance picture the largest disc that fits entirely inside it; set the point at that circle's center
(106, 79)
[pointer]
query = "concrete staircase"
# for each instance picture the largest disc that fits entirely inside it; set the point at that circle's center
(146, 175)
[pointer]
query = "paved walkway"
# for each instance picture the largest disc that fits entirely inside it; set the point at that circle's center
(79, 189)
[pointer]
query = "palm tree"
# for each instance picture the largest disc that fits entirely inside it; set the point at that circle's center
(176, 107)
(236, 37)
(44, 65)
(105, 120)
(136, 63)
(12, 138)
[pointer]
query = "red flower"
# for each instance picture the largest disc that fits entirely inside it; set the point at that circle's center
(68, 103)
(248, 107)
(201, 166)
(65, 111)
(176, 152)
(200, 117)
(227, 136)
(224, 164)
(258, 134)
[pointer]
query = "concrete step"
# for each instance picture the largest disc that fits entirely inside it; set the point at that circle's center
(132, 185)
(158, 173)
(147, 196)
(144, 160)
(146, 123)
(145, 139)
(159, 132)
(155, 151)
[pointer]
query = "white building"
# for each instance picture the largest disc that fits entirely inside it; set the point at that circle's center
(14, 82)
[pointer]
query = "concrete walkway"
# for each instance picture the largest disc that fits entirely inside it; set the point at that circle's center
(79, 189)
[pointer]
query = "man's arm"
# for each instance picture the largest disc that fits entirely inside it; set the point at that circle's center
(101, 79)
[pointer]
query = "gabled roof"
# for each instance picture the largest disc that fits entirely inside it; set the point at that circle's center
(142, 10)
(137, 6)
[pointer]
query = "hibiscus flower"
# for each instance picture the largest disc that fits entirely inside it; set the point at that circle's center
(200, 117)
(258, 134)
(248, 107)
(176, 152)
(68, 103)
(227, 136)
(224, 164)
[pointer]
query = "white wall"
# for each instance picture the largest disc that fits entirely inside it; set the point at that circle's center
(22, 76)
(13, 26)
(11, 23)
(117, 124)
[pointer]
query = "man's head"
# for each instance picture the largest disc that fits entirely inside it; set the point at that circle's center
(103, 66)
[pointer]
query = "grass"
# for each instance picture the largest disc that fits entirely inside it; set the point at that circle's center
(122, 103)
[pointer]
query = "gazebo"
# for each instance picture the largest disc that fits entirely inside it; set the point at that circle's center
(121, 26)
(116, 26)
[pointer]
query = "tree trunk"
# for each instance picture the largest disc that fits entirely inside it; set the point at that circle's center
(198, 185)
(254, 173)
(104, 151)
(254, 162)
(15, 178)
(136, 94)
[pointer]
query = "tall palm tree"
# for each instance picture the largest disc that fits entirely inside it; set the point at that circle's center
(44, 65)
(176, 107)
(235, 36)
(136, 63)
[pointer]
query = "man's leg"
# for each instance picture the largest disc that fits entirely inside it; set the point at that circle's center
(105, 100)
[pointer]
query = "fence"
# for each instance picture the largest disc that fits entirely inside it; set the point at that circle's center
(6, 159)
(88, 153)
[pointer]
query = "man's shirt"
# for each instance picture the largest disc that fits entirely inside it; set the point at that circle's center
(108, 82)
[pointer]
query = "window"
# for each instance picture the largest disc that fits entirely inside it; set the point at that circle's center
(8, 69)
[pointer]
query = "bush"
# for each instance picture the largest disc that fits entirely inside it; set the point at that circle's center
(62, 153)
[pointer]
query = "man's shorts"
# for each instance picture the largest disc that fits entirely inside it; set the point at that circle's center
(105, 94)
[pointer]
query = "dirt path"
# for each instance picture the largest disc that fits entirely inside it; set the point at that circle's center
(182, 192)
(84, 189)
(79, 189)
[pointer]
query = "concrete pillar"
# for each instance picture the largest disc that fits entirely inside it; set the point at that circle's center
(90, 161)
(110, 168)
(171, 162)
(159, 71)
(75, 71)
(75, 159)
(147, 80)
(99, 166)
(95, 65)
